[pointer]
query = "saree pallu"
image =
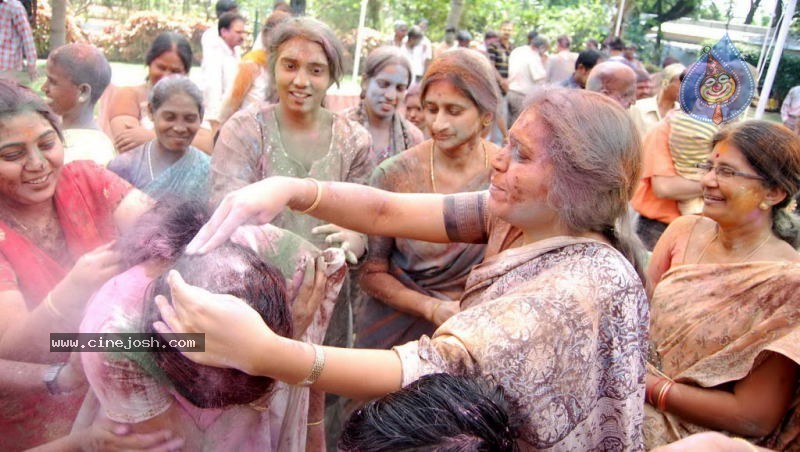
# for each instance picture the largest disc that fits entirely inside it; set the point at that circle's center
(713, 324)
(186, 179)
(443, 270)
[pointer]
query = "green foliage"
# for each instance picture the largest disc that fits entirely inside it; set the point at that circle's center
(788, 74)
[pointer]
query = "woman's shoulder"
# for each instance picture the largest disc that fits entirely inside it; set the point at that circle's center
(346, 126)
(126, 100)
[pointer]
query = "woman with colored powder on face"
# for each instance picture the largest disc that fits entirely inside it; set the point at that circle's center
(129, 120)
(724, 299)
(387, 76)
(413, 286)
(169, 164)
(56, 223)
(297, 136)
(413, 110)
(555, 313)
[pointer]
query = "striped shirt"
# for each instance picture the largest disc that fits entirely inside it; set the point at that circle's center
(16, 38)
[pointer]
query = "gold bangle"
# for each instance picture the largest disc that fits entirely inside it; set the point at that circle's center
(48, 303)
(316, 368)
(661, 400)
(317, 197)
(749, 444)
(312, 424)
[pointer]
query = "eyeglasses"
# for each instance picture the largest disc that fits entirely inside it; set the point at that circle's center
(724, 172)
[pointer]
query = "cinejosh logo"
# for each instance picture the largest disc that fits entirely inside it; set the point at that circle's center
(127, 342)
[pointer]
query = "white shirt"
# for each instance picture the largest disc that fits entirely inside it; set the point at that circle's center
(560, 66)
(525, 70)
(419, 55)
(791, 104)
(219, 67)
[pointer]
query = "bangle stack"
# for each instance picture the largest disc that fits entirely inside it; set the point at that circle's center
(317, 196)
(658, 397)
(316, 368)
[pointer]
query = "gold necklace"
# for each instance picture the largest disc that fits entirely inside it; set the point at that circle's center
(433, 173)
(749, 255)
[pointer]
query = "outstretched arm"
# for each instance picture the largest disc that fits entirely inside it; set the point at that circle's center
(353, 206)
(253, 348)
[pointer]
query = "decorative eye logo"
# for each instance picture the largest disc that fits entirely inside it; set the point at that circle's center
(718, 88)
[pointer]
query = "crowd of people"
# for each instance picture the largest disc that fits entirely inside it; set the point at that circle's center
(499, 248)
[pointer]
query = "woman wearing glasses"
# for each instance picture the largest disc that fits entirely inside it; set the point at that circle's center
(724, 306)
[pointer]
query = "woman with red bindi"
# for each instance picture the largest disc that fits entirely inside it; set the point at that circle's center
(723, 295)
(413, 286)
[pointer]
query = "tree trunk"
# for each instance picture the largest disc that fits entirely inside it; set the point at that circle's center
(298, 7)
(374, 14)
(58, 24)
(454, 17)
(752, 12)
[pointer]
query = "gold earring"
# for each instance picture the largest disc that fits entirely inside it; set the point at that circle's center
(763, 206)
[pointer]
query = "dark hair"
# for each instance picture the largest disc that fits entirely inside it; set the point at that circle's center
(16, 98)
(167, 42)
(276, 18)
(563, 41)
(532, 35)
(230, 269)
(226, 21)
(588, 59)
(616, 44)
(84, 63)
(470, 73)
(540, 42)
(382, 57)
(437, 412)
(175, 84)
(224, 6)
(314, 31)
(463, 35)
(774, 153)
(415, 32)
(489, 34)
(669, 60)
(595, 167)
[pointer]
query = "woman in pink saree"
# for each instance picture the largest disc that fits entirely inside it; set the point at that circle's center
(207, 408)
(724, 305)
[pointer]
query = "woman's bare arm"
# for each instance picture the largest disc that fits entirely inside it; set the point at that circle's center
(754, 408)
(353, 206)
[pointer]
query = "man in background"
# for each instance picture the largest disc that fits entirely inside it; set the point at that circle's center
(16, 41)
(219, 67)
(586, 61)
